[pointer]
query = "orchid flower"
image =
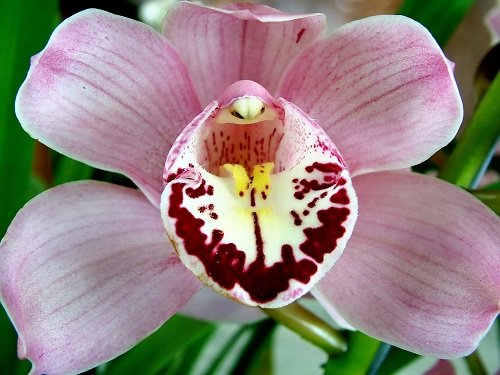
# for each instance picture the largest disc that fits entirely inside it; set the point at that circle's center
(284, 148)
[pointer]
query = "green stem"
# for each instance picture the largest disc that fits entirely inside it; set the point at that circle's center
(475, 364)
(473, 152)
(310, 327)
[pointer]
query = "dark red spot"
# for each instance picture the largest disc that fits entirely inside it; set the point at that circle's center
(310, 185)
(296, 218)
(324, 167)
(173, 176)
(259, 243)
(312, 204)
(323, 239)
(263, 195)
(299, 35)
(342, 181)
(340, 197)
(214, 216)
(252, 197)
(306, 186)
(200, 191)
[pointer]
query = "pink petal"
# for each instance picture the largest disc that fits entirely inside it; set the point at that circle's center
(249, 41)
(111, 92)
(86, 271)
(382, 90)
(421, 269)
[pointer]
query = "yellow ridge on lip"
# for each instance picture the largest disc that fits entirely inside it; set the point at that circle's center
(260, 181)
(262, 176)
(240, 175)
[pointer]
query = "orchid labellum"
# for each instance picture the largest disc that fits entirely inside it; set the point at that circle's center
(286, 172)
(258, 201)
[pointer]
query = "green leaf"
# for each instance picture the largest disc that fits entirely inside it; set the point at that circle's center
(441, 17)
(379, 358)
(24, 30)
(67, 169)
(185, 360)
(491, 198)
(255, 358)
(475, 364)
(262, 363)
(36, 186)
(493, 186)
(475, 146)
(157, 351)
(357, 360)
(395, 360)
(225, 350)
(9, 364)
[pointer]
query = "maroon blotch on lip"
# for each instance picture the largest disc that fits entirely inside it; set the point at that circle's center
(225, 263)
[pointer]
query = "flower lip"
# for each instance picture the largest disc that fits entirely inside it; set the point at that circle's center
(259, 212)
